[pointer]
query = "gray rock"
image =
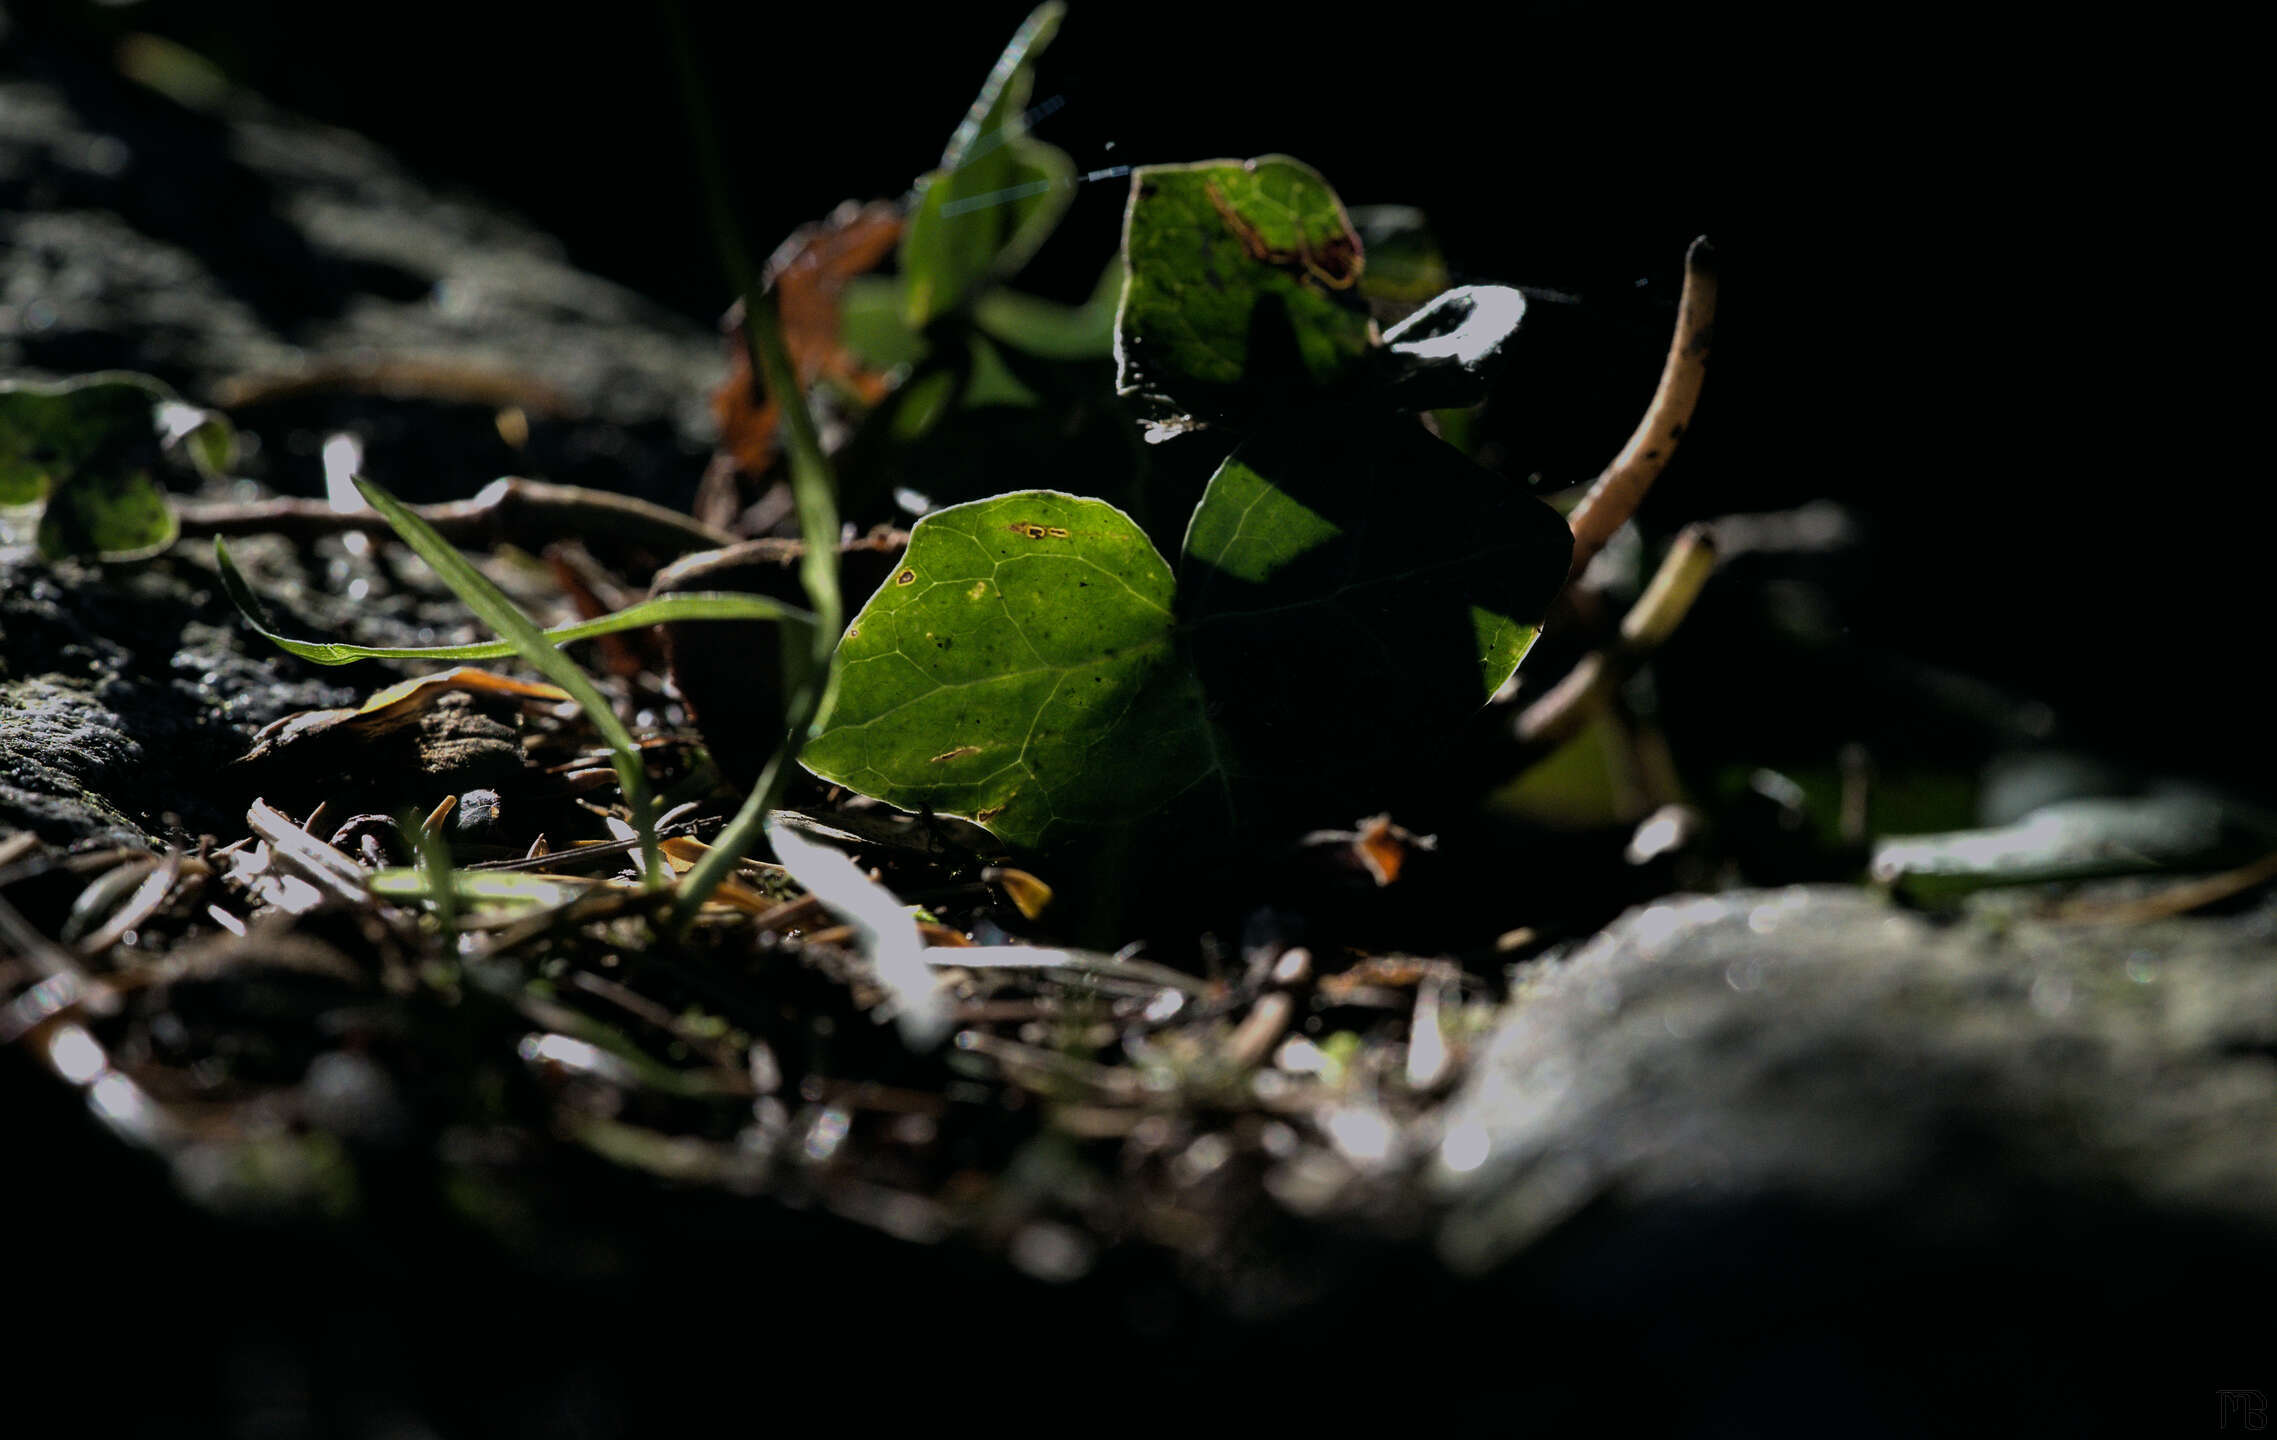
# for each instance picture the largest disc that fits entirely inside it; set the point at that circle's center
(1768, 1158)
(124, 696)
(228, 253)
(1823, 1045)
(225, 253)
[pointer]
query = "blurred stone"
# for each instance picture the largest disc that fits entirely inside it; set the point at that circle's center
(1829, 1143)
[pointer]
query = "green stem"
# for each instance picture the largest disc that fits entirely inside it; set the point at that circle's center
(811, 682)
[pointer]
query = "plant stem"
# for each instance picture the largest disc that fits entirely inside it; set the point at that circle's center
(808, 677)
(1560, 714)
(522, 511)
(1616, 493)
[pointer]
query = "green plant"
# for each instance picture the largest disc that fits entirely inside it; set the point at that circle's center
(83, 454)
(1347, 587)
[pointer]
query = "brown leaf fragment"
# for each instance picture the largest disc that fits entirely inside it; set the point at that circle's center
(807, 273)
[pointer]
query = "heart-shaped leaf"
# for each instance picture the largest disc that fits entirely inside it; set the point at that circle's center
(1351, 586)
(86, 450)
(1022, 669)
(998, 192)
(1240, 287)
(1348, 590)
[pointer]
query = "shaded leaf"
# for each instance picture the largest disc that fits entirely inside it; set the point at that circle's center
(1405, 266)
(1240, 285)
(997, 194)
(1445, 353)
(1353, 585)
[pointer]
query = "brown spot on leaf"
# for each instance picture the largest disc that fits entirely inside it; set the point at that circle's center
(906, 577)
(1336, 264)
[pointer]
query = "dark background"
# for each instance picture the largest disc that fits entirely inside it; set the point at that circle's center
(1985, 279)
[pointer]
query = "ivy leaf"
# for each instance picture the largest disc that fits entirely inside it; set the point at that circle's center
(1240, 286)
(1444, 355)
(1022, 669)
(86, 450)
(1353, 586)
(1347, 591)
(997, 194)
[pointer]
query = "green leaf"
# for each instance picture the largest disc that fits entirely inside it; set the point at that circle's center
(87, 448)
(997, 194)
(871, 325)
(113, 514)
(1444, 355)
(1352, 586)
(1240, 286)
(1021, 668)
(1055, 332)
(1349, 589)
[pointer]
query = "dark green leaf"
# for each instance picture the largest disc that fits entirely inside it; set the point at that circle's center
(111, 514)
(88, 447)
(1351, 586)
(997, 195)
(1405, 267)
(1445, 353)
(1240, 286)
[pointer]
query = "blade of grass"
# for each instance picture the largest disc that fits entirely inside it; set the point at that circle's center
(808, 675)
(492, 608)
(433, 867)
(681, 605)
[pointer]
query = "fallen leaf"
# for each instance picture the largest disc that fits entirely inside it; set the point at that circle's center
(807, 274)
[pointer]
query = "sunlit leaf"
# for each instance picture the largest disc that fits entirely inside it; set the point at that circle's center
(1019, 669)
(88, 449)
(1240, 287)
